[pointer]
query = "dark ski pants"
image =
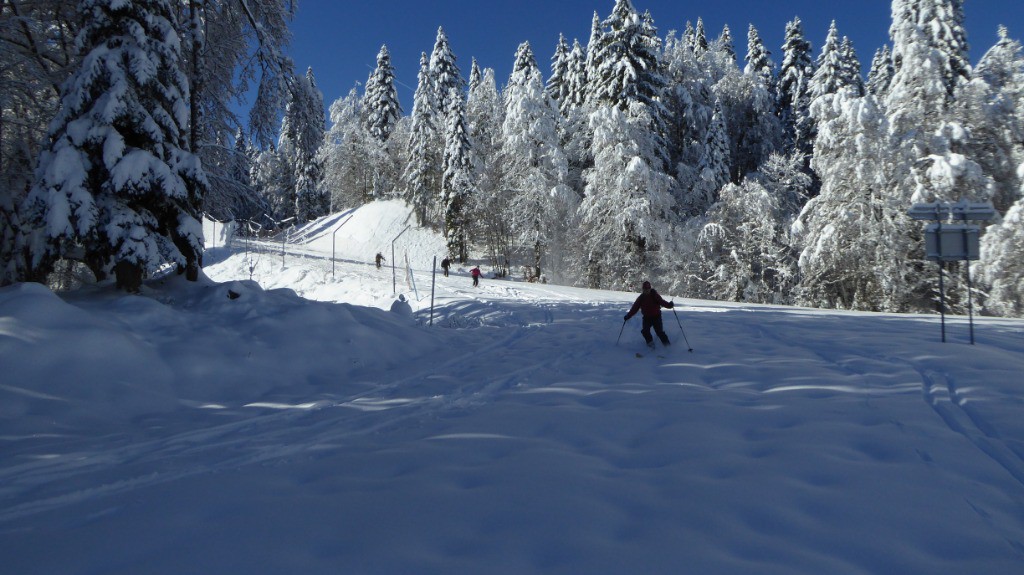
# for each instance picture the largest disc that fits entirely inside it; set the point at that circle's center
(654, 322)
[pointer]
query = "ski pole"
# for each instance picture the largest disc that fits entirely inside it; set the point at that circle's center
(688, 348)
(620, 332)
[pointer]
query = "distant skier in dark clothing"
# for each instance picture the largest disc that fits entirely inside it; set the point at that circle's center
(475, 272)
(379, 259)
(649, 303)
(445, 264)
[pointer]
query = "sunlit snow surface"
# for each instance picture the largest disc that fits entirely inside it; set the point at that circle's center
(232, 426)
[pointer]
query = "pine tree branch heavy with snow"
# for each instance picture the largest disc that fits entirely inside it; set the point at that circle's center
(118, 187)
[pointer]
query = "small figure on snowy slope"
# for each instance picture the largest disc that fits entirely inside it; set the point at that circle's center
(649, 303)
(475, 272)
(380, 258)
(445, 264)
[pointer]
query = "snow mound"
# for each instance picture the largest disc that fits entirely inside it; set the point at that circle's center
(361, 233)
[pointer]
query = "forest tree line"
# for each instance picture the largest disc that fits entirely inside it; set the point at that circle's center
(637, 156)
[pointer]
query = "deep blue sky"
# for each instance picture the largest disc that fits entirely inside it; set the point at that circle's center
(340, 38)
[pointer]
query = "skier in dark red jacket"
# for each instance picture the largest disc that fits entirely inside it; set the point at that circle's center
(649, 304)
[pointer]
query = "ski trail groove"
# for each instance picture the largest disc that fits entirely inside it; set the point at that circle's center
(254, 439)
(942, 395)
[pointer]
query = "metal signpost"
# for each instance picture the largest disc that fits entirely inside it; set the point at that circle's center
(284, 235)
(394, 281)
(947, 242)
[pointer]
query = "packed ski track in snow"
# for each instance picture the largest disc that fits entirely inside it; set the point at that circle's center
(241, 429)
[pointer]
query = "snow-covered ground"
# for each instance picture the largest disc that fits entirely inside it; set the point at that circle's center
(235, 427)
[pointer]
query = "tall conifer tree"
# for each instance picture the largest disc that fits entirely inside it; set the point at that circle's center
(794, 88)
(422, 176)
(457, 183)
(118, 186)
(446, 80)
(534, 165)
(759, 60)
(380, 101)
(306, 135)
(881, 73)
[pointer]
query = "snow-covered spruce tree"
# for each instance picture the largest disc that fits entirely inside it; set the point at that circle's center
(533, 163)
(117, 187)
(687, 37)
(457, 184)
(557, 87)
(484, 116)
(593, 62)
(350, 154)
(305, 134)
(1002, 268)
(881, 73)
(575, 79)
(447, 83)
(699, 39)
(689, 99)
(828, 75)
(725, 44)
(625, 217)
(854, 234)
(837, 68)
(850, 68)
(629, 69)
(941, 25)
(241, 159)
(931, 142)
(755, 131)
(991, 106)
(422, 177)
(381, 108)
(381, 112)
(747, 108)
(272, 178)
(795, 89)
(629, 156)
(759, 60)
(713, 168)
(629, 74)
(930, 61)
(576, 136)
